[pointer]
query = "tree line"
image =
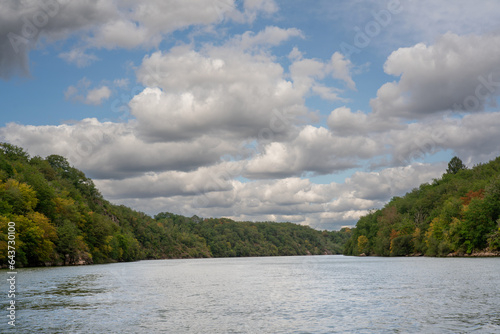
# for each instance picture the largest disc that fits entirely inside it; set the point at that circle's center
(458, 214)
(62, 219)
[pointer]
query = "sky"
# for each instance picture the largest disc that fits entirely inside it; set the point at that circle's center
(313, 112)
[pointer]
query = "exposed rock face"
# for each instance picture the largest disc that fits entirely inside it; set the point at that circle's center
(82, 258)
(484, 253)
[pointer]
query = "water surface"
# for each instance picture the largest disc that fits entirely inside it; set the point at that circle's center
(309, 294)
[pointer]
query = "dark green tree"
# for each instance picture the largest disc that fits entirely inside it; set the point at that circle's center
(455, 165)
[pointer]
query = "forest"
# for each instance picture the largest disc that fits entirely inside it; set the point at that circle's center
(456, 215)
(60, 218)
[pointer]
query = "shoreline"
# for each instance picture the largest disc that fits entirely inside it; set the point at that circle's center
(482, 254)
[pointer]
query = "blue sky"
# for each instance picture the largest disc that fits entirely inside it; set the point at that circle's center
(310, 112)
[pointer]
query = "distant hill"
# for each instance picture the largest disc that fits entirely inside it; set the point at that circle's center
(62, 219)
(455, 215)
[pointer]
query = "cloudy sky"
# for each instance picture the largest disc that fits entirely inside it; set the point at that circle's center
(306, 111)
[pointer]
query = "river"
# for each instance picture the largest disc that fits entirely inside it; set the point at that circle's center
(307, 294)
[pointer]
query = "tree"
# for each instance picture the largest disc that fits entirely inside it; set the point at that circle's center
(59, 163)
(363, 244)
(455, 165)
(13, 152)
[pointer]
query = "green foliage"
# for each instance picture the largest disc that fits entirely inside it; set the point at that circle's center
(61, 218)
(13, 153)
(494, 239)
(455, 165)
(227, 238)
(363, 246)
(458, 214)
(402, 245)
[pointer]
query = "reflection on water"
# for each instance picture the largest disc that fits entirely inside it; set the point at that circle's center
(318, 294)
(76, 293)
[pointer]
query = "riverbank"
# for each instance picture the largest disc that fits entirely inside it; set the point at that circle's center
(483, 253)
(476, 254)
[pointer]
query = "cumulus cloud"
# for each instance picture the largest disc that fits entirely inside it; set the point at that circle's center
(457, 73)
(203, 180)
(343, 122)
(105, 24)
(410, 22)
(112, 150)
(13, 46)
(191, 177)
(25, 23)
(463, 17)
(341, 69)
(473, 138)
(314, 150)
(270, 36)
(289, 199)
(121, 83)
(307, 74)
(73, 91)
(78, 57)
(251, 8)
(220, 90)
(82, 93)
(98, 95)
(326, 206)
(218, 129)
(395, 181)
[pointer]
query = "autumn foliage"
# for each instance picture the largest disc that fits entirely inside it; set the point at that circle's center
(456, 215)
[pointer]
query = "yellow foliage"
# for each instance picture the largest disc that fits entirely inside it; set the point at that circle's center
(436, 230)
(49, 230)
(22, 191)
(30, 236)
(62, 204)
(106, 247)
(363, 244)
(81, 245)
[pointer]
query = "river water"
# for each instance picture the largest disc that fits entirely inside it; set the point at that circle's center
(308, 294)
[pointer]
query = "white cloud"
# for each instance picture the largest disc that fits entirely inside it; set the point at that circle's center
(190, 177)
(112, 150)
(217, 128)
(219, 90)
(98, 95)
(314, 150)
(428, 19)
(408, 22)
(123, 34)
(82, 93)
(74, 92)
(107, 24)
(121, 83)
(341, 69)
(473, 138)
(289, 199)
(253, 7)
(63, 19)
(267, 6)
(457, 72)
(270, 36)
(78, 57)
(203, 180)
(307, 74)
(295, 54)
(395, 181)
(70, 92)
(343, 122)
